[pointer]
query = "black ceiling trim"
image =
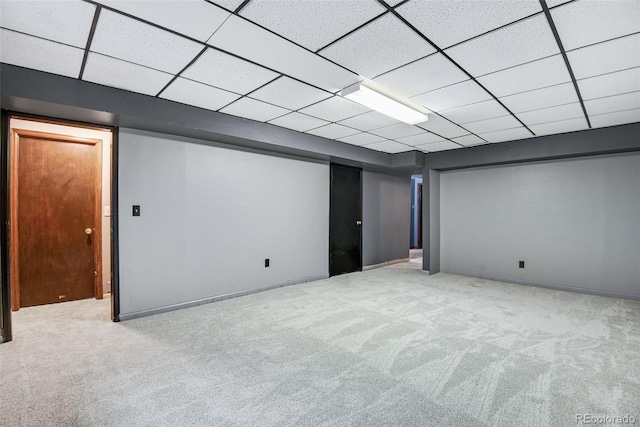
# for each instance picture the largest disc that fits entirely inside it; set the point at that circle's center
(558, 5)
(263, 85)
(605, 41)
(221, 50)
(183, 70)
(495, 29)
(290, 41)
(352, 31)
(401, 3)
(242, 6)
(144, 21)
(554, 30)
(400, 17)
(268, 68)
(404, 65)
(451, 139)
(92, 31)
(250, 92)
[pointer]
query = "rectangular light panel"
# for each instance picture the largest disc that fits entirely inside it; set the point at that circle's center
(383, 104)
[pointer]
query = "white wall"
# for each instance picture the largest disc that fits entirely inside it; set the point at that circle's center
(106, 137)
(575, 223)
(209, 218)
(386, 215)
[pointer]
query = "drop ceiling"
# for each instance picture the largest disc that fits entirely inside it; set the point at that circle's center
(486, 71)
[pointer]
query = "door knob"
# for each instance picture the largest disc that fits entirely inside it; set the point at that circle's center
(358, 222)
(88, 231)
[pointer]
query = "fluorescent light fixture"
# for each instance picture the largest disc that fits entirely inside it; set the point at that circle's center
(383, 104)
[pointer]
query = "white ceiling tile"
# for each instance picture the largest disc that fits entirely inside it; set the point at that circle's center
(198, 94)
(506, 135)
(562, 126)
(124, 75)
(611, 104)
(491, 125)
(552, 114)
(66, 22)
(369, 121)
(126, 38)
(312, 24)
(533, 75)
(299, 122)
(397, 131)
(289, 93)
(227, 72)
(39, 54)
(442, 20)
(254, 110)
(610, 84)
(541, 98)
(362, 139)
(333, 131)
(380, 46)
(248, 40)
(469, 140)
(432, 72)
(614, 55)
(506, 47)
(603, 19)
(614, 119)
(474, 112)
(453, 96)
(554, 3)
(230, 5)
(390, 147)
(439, 146)
(443, 127)
(420, 139)
(334, 109)
(195, 18)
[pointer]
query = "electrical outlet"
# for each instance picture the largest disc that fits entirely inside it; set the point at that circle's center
(521, 264)
(266, 262)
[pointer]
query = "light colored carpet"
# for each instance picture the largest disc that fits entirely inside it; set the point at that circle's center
(386, 347)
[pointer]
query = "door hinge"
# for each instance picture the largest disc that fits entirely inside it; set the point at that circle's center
(95, 273)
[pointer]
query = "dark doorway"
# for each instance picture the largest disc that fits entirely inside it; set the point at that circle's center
(345, 220)
(416, 213)
(419, 209)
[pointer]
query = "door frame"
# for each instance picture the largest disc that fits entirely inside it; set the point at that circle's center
(5, 272)
(14, 183)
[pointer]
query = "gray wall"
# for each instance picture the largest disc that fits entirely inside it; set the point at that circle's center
(386, 213)
(575, 223)
(209, 218)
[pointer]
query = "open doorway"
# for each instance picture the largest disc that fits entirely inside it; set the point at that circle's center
(59, 198)
(415, 240)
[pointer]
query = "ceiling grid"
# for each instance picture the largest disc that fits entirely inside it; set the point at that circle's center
(513, 70)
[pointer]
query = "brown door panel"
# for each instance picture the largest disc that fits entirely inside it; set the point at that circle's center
(56, 204)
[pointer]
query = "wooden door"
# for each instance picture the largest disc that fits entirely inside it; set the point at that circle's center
(345, 220)
(55, 218)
